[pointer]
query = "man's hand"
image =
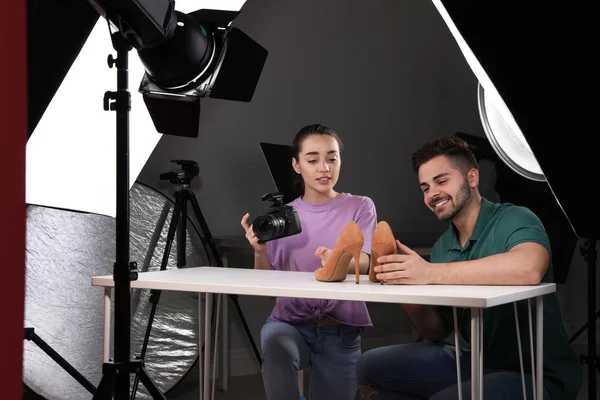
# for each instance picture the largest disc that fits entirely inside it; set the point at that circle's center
(407, 268)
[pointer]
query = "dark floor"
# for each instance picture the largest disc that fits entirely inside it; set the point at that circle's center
(249, 387)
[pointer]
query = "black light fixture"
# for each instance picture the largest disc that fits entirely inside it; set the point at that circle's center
(186, 57)
(536, 67)
(205, 58)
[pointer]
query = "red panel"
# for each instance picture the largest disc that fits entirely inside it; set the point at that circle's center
(13, 134)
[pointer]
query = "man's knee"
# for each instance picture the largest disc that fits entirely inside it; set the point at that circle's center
(363, 366)
(384, 364)
(366, 377)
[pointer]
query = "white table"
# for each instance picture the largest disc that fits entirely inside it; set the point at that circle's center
(211, 280)
(234, 246)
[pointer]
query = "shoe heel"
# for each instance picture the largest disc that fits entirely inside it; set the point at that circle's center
(378, 250)
(355, 251)
(340, 271)
(349, 244)
(383, 244)
(372, 264)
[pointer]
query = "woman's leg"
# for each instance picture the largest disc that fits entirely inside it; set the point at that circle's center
(407, 371)
(285, 352)
(335, 353)
(497, 385)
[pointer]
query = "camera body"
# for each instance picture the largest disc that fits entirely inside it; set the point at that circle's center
(280, 221)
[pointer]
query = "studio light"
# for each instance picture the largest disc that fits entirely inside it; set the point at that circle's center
(506, 137)
(186, 57)
(537, 100)
(204, 58)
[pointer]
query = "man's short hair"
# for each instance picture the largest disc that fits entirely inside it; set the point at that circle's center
(456, 149)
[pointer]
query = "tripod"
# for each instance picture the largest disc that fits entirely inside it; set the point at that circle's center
(178, 224)
(31, 335)
(115, 374)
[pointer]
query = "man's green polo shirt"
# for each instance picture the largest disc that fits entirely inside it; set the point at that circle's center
(499, 228)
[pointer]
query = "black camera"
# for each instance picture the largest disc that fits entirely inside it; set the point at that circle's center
(280, 221)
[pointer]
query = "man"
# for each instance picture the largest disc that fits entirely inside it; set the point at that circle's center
(486, 244)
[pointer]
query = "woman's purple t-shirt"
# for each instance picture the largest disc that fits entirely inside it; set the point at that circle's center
(321, 226)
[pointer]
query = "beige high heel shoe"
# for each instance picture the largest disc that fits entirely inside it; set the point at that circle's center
(383, 244)
(348, 245)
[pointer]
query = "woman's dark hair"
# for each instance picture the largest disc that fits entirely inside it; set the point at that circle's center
(303, 133)
(456, 149)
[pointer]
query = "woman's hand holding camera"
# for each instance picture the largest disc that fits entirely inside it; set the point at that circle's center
(261, 260)
(258, 247)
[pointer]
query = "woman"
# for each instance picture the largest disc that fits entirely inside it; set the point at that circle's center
(322, 334)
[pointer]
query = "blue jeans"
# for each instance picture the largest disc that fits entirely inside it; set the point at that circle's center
(331, 351)
(428, 371)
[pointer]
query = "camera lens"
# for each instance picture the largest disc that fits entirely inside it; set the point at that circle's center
(268, 227)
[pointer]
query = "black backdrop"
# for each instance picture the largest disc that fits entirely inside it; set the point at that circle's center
(56, 32)
(543, 60)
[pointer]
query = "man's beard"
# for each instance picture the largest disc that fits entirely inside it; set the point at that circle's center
(462, 198)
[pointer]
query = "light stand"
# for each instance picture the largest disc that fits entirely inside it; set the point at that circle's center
(31, 335)
(115, 375)
(185, 57)
(590, 255)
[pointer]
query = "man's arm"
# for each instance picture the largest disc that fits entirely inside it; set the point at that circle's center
(434, 325)
(524, 264)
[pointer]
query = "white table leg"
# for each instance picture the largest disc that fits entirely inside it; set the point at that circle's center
(520, 347)
(457, 347)
(540, 347)
(225, 337)
(532, 351)
(207, 343)
(106, 339)
(214, 365)
(475, 348)
(481, 353)
(225, 344)
(200, 344)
